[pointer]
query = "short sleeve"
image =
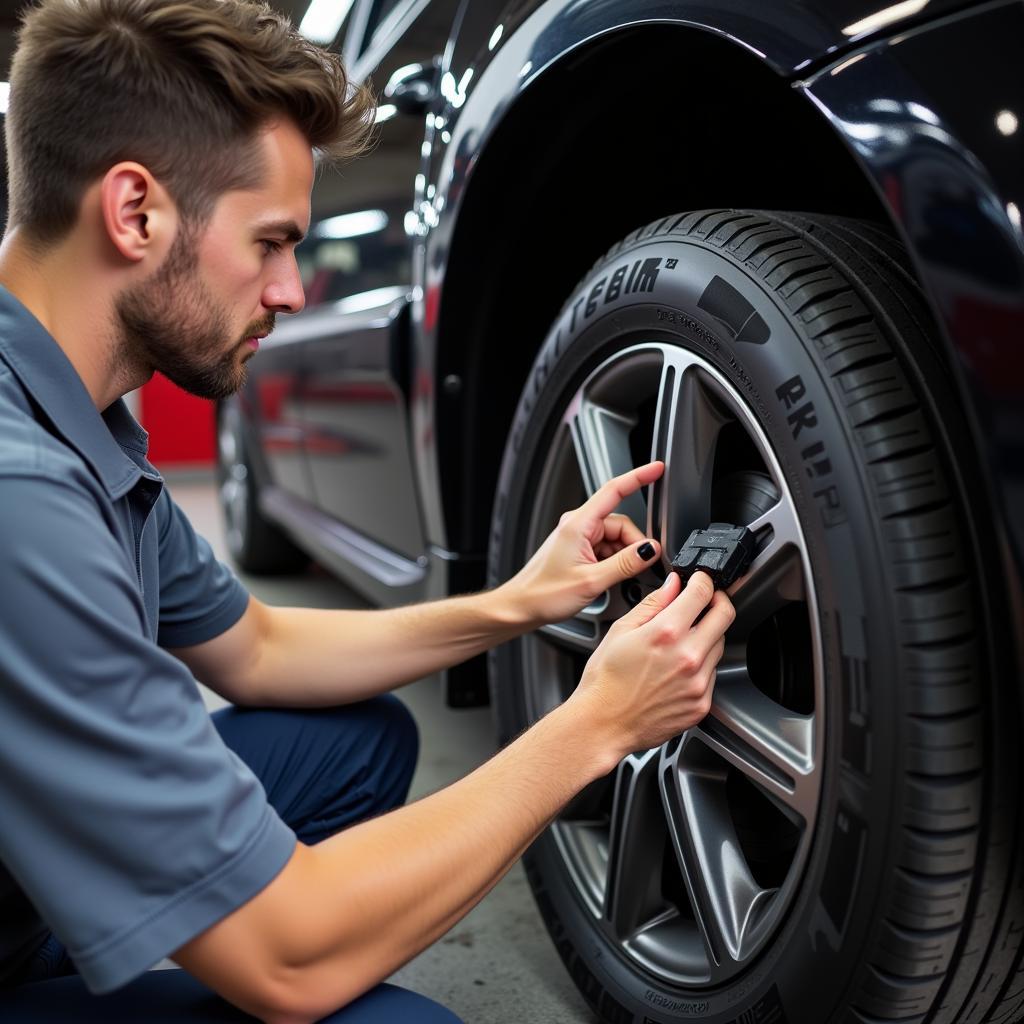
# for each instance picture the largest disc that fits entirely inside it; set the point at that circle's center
(126, 820)
(200, 597)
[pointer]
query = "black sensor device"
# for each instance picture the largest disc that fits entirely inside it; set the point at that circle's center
(722, 550)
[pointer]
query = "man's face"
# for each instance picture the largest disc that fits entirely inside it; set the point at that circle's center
(199, 317)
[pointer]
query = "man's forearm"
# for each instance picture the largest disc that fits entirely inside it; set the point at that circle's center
(307, 657)
(346, 913)
(315, 657)
(453, 847)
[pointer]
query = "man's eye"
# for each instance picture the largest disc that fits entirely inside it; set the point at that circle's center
(270, 246)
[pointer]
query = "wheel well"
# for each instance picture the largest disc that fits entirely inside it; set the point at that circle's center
(652, 121)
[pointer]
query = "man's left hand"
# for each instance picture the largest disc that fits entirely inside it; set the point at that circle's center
(592, 549)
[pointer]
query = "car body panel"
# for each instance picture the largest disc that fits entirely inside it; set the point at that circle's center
(948, 165)
(275, 409)
(356, 436)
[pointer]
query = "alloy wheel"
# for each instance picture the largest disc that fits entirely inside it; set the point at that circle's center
(689, 854)
(234, 482)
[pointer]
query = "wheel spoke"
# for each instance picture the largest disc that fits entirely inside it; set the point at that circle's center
(585, 630)
(635, 848)
(234, 488)
(601, 438)
(775, 577)
(590, 805)
(771, 745)
(233, 497)
(727, 900)
(687, 425)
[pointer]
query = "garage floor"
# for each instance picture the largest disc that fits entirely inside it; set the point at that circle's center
(498, 964)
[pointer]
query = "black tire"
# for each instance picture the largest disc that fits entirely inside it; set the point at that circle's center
(255, 544)
(909, 905)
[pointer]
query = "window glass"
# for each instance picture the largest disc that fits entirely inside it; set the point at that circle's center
(353, 254)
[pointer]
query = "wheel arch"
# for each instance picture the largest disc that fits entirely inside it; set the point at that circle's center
(733, 148)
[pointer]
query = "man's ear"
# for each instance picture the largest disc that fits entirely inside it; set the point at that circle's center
(139, 216)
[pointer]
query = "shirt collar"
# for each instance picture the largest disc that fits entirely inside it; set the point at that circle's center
(107, 442)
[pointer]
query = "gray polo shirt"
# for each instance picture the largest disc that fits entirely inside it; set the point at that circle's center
(126, 826)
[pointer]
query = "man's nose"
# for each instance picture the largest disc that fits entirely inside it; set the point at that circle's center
(285, 294)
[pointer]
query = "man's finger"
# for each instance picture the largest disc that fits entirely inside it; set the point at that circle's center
(709, 667)
(625, 563)
(606, 499)
(718, 618)
(697, 593)
(621, 529)
(714, 656)
(711, 663)
(656, 601)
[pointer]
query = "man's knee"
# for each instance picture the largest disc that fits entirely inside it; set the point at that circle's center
(398, 749)
(398, 720)
(324, 769)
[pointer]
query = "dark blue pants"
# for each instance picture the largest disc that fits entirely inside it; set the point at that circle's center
(322, 770)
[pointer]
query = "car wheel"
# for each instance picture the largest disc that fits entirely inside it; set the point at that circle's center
(815, 849)
(255, 544)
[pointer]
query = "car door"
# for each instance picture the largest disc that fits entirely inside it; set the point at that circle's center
(356, 265)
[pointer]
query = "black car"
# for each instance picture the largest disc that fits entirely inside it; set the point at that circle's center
(779, 246)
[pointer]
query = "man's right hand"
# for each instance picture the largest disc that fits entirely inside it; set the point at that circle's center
(653, 675)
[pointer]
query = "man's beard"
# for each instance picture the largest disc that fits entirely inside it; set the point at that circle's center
(171, 323)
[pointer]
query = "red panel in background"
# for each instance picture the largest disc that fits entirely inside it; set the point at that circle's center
(181, 426)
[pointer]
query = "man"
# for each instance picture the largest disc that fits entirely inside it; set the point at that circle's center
(161, 164)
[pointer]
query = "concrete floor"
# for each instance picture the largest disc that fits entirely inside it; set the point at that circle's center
(497, 965)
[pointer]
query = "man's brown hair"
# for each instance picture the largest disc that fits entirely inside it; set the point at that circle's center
(180, 86)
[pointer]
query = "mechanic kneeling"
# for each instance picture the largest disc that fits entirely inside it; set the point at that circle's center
(161, 160)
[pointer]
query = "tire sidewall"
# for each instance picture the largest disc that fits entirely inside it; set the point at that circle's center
(783, 380)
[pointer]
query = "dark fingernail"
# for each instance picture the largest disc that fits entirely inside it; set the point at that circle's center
(646, 550)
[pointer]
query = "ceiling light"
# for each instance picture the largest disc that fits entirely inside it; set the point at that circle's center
(323, 19)
(1006, 122)
(351, 225)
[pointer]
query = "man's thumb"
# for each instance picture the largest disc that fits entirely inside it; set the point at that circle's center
(654, 602)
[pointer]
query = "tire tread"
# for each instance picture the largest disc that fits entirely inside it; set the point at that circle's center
(847, 284)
